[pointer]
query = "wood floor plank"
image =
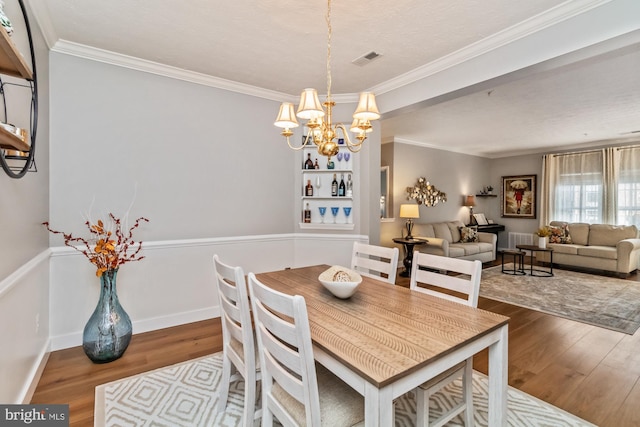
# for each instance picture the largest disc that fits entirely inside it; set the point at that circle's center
(628, 414)
(538, 384)
(600, 396)
(594, 347)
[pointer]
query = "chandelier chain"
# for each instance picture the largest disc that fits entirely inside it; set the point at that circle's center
(321, 131)
(328, 49)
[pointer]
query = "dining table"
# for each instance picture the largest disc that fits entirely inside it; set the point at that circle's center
(386, 340)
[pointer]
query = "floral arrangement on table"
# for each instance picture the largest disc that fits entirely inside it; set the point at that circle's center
(543, 232)
(109, 245)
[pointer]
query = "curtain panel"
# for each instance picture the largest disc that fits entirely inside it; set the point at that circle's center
(596, 186)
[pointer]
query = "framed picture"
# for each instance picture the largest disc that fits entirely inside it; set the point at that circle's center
(518, 196)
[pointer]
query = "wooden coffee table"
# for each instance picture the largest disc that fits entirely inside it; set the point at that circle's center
(536, 271)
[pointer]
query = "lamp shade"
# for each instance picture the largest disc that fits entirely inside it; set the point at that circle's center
(367, 108)
(358, 126)
(409, 211)
(286, 118)
(470, 201)
(310, 107)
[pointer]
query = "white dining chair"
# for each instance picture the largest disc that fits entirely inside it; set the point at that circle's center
(463, 288)
(239, 347)
(295, 389)
(375, 261)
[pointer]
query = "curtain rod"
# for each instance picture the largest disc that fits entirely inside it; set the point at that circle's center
(574, 153)
(628, 147)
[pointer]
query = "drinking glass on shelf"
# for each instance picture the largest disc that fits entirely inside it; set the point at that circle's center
(323, 210)
(339, 157)
(347, 212)
(334, 211)
(318, 183)
(347, 156)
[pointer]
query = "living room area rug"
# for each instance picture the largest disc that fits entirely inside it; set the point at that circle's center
(186, 395)
(603, 301)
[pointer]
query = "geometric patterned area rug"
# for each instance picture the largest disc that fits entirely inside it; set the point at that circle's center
(602, 301)
(186, 395)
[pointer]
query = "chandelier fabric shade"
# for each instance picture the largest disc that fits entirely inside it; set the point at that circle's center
(367, 108)
(321, 131)
(286, 117)
(310, 107)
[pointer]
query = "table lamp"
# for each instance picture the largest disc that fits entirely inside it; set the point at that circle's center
(409, 212)
(470, 202)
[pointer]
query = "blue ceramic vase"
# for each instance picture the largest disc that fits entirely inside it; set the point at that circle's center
(108, 332)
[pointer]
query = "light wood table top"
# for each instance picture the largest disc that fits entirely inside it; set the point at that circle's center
(392, 337)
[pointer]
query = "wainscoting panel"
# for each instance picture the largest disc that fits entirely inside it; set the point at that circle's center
(173, 284)
(24, 330)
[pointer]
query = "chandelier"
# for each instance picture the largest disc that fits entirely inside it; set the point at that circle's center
(321, 130)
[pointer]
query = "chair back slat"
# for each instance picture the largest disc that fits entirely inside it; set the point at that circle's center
(432, 270)
(376, 262)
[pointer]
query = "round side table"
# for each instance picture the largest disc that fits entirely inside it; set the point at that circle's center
(408, 252)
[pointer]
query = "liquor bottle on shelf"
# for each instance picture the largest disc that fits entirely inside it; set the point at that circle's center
(334, 186)
(316, 165)
(307, 214)
(341, 188)
(349, 186)
(308, 164)
(308, 190)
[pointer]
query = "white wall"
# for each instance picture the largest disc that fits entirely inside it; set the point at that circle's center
(24, 273)
(205, 162)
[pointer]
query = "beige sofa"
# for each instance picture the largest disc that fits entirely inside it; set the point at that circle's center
(444, 240)
(613, 248)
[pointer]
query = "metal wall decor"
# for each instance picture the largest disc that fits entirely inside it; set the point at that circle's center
(17, 144)
(425, 193)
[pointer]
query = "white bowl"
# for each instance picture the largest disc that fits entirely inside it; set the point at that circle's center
(341, 289)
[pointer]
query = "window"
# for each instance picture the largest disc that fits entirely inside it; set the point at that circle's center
(600, 186)
(578, 192)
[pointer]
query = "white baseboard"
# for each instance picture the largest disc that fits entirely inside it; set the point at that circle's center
(32, 381)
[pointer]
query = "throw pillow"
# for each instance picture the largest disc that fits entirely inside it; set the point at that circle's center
(468, 234)
(560, 234)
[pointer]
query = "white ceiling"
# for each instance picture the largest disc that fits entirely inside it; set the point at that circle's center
(280, 46)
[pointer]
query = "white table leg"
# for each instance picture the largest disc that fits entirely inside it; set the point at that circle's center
(498, 378)
(378, 406)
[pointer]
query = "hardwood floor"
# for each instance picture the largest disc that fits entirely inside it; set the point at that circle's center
(588, 371)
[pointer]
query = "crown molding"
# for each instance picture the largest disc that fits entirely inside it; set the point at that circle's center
(133, 63)
(138, 64)
(553, 16)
